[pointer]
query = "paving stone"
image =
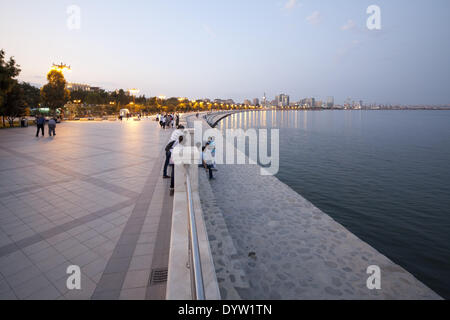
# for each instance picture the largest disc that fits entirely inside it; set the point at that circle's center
(76, 208)
(136, 279)
(133, 294)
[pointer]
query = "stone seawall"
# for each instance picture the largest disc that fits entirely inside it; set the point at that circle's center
(268, 242)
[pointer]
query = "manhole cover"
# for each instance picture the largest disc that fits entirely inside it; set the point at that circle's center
(158, 276)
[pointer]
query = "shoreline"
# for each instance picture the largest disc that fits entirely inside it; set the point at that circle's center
(268, 242)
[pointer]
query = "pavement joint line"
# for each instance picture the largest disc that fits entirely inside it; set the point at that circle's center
(109, 150)
(95, 181)
(54, 183)
(139, 212)
(21, 244)
(161, 262)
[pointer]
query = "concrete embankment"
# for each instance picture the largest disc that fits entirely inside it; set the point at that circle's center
(268, 242)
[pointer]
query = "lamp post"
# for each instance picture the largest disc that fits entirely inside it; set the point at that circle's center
(61, 67)
(133, 93)
(162, 98)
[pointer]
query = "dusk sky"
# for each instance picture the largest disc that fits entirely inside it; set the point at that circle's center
(239, 49)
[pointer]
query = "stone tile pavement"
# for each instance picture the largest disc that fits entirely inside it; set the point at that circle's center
(92, 196)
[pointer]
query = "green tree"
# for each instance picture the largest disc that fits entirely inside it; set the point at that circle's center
(54, 94)
(15, 103)
(32, 95)
(8, 71)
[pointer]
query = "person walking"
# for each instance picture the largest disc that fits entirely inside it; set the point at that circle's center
(52, 127)
(40, 122)
(177, 121)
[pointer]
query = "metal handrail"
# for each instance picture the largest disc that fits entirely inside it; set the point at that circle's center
(195, 265)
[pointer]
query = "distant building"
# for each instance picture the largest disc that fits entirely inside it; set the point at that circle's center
(330, 102)
(282, 100)
(256, 102)
(78, 87)
(247, 102)
(224, 101)
(264, 101)
(82, 87)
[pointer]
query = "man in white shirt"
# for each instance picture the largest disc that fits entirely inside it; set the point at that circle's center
(176, 144)
(175, 139)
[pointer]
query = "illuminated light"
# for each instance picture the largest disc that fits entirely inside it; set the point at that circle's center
(60, 67)
(133, 92)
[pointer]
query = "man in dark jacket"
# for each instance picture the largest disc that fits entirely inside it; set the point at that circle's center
(40, 122)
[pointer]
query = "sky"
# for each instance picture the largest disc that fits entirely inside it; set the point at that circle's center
(239, 48)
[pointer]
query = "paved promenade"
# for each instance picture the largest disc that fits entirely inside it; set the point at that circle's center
(92, 196)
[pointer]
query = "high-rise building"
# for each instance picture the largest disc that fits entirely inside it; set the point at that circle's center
(282, 100)
(330, 102)
(256, 102)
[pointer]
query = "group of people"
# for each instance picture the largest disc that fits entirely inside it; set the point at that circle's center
(176, 139)
(168, 120)
(40, 123)
(208, 156)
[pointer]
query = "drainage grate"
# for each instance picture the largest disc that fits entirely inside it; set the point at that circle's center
(158, 276)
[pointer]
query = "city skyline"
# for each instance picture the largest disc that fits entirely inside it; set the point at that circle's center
(237, 50)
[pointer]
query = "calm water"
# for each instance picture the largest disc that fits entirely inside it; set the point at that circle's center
(384, 175)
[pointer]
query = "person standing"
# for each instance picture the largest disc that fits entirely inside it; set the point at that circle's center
(40, 122)
(178, 144)
(52, 127)
(164, 120)
(173, 140)
(207, 161)
(177, 122)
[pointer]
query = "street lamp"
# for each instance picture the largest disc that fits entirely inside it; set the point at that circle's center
(133, 93)
(60, 67)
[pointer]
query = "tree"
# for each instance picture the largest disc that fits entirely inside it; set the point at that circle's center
(54, 94)
(8, 71)
(15, 103)
(32, 95)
